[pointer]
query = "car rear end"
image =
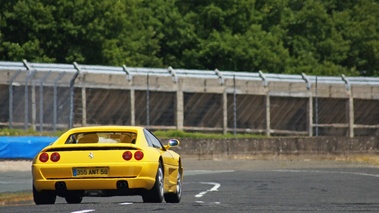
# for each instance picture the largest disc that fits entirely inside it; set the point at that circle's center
(94, 167)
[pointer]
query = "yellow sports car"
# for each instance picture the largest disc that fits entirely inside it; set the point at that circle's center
(107, 161)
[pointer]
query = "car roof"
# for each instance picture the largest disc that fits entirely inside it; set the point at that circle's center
(105, 128)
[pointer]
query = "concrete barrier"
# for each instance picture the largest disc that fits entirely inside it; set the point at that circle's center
(27, 147)
(251, 148)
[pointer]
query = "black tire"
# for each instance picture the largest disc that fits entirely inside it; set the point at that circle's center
(177, 196)
(43, 197)
(155, 195)
(73, 199)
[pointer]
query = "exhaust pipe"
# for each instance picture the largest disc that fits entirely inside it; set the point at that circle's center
(60, 186)
(122, 184)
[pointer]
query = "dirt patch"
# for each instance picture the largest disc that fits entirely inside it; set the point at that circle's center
(15, 165)
(16, 198)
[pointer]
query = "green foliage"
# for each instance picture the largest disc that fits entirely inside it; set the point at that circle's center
(158, 133)
(198, 135)
(29, 132)
(315, 37)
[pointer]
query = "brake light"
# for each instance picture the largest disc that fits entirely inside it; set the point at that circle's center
(138, 155)
(127, 155)
(55, 157)
(43, 157)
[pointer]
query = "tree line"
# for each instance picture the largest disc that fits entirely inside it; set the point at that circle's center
(314, 37)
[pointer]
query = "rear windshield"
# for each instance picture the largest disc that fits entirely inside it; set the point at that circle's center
(102, 137)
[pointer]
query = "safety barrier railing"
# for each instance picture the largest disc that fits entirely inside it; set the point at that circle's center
(59, 100)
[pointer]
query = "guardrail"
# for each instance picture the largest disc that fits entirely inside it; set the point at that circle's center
(31, 68)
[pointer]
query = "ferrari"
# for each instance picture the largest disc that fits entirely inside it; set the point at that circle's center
(107, 161)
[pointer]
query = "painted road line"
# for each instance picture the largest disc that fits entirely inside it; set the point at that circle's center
(125, 203)
(211, 203)
(214, 188)
(84, 211)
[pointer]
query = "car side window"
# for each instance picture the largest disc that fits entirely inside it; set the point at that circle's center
(152, 140)
(148, 139)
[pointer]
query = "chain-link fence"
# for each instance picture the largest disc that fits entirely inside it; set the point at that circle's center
(36, 99)
(51, 97)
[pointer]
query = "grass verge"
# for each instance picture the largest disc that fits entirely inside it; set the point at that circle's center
(15, 198)
(200, 135)
(158, 133)
(29, 132)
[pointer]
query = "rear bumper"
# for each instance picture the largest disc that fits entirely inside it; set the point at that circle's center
(137, 176)
(95, 184)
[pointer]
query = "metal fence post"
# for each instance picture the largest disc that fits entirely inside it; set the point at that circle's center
(26, 108)
(129, 77)
(267, 102)
(55, 104)
(147, 101)
(234, 106)
(11, 98)
(43, 79)
(132, 107)
(225, 111)
(84, 103)
(30, 75)
(72, 92)
(310, 104)
(179, 107)
(350, 106)
(34, 108)
(316, 114)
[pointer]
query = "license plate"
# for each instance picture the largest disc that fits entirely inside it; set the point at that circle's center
(101, 171)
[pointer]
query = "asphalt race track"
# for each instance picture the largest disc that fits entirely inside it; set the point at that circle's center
(246, 186)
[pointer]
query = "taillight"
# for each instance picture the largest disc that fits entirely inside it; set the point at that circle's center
(55, 157)
(43, 157)
(127, 155)
(138, 155)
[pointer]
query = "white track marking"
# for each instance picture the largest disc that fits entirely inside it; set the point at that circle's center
(214, 188)
(202, 202)
(84, 211)
(126, 203)
(331, 172)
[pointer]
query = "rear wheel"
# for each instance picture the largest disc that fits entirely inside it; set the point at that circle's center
(175, 197)
(43, 197)
(74, 198)
(155, 195)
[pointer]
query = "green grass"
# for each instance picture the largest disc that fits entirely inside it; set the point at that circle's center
(29, 132)
(200, 135)
(159, 134)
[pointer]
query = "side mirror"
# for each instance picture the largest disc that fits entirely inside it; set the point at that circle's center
(172, 143)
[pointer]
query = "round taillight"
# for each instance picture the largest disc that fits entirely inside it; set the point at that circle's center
(127, 155)
(55, 157)
(138, 155)
(43, 157)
